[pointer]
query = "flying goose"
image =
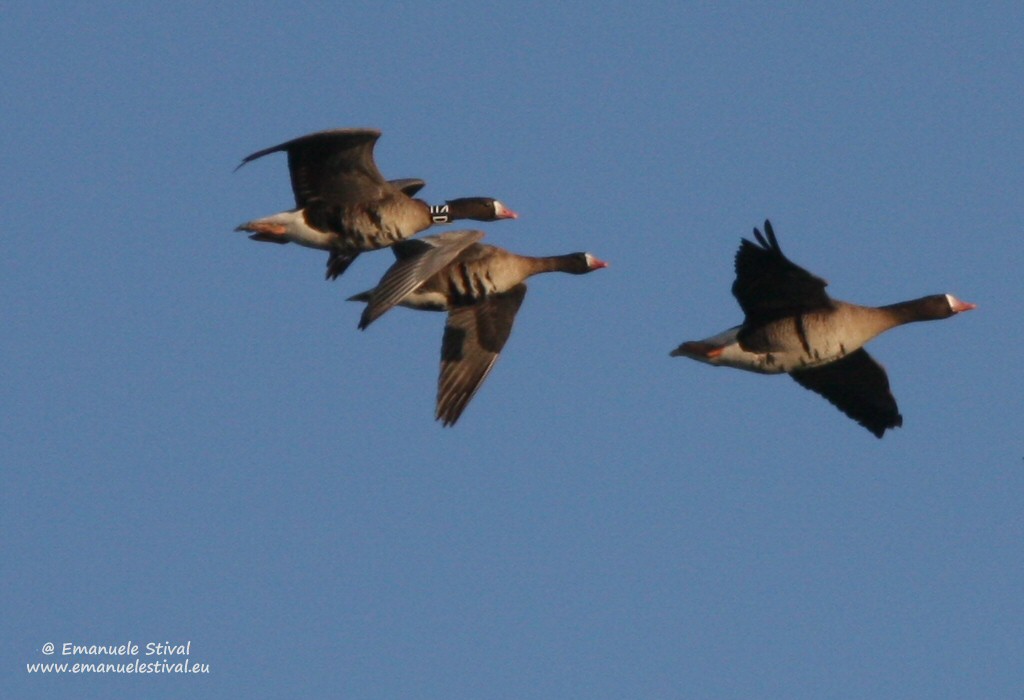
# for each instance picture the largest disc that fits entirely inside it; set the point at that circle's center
(344, 205)
(792, 326)
(480, 286)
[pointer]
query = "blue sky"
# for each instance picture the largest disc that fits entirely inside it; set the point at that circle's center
(198, 445)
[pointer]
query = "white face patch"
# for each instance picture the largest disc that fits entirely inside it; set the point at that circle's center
(958, 305)
(501, 211)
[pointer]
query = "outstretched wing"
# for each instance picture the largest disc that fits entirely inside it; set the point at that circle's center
(857, 386)
(335, 166)
(473, 338)
(418, 259)
(769, 286)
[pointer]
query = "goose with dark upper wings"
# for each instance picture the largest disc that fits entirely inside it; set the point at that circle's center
(480, 286)
(792, 326)
(344, 205)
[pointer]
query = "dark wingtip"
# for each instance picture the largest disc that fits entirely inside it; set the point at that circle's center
(767, 239)
(366, 319)
(770, 232)
(449, 415)
(253, 156)
(747, 243)
(878, 428)
(337, 264)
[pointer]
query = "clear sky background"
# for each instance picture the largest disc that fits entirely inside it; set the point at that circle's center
(198, 445)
